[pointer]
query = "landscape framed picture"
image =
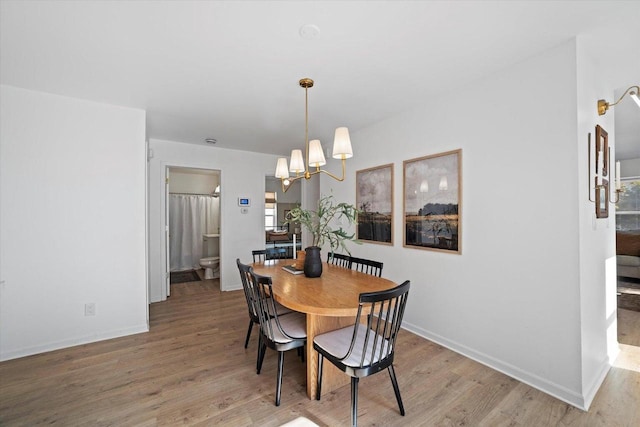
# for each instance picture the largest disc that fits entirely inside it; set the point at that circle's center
(432, 202)
(374, 200)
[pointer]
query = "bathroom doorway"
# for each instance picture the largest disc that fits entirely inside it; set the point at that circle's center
(193, 228)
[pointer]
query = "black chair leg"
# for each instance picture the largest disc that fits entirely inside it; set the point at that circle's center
(258, 364)
(394, 381)
(263, 350)
(246, 341)
(319, 381)
(354, 401)
(279, 381)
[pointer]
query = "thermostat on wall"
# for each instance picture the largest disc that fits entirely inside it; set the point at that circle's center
(244, 201)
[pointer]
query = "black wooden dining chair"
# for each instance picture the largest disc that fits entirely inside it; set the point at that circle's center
(367, 266)
(252, 305)
(279, 333)
(259, 255)
(277, 253)
(364, 349)
(339, 259)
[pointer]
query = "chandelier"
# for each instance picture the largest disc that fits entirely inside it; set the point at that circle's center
(314, 155)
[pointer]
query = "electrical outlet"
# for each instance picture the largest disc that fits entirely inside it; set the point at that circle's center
(90, 309)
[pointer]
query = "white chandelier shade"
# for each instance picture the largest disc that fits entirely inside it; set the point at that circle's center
(342, 144)
(282, 171)
(316, 156)
(297, 163)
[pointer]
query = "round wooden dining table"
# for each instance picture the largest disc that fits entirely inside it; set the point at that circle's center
(330, 302)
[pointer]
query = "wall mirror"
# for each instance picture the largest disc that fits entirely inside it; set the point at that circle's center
(277, 204)
(602, 173)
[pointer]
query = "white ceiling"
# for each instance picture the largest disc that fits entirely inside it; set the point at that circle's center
(230, 70)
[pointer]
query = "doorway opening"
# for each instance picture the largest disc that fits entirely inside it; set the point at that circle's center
(627, 225)
(193, 228)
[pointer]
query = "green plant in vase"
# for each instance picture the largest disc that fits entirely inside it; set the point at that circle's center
(325, 227)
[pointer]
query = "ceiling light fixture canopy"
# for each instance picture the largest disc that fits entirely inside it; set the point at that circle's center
(633, 91)
(314, 154)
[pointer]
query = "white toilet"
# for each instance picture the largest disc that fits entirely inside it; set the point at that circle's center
(211, 267)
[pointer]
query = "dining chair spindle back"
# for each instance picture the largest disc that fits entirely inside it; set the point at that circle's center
(277, 253)
(364, 349)
(252, 304)
(339, 259)
(259, 255)
(367, 266)
(279, 333)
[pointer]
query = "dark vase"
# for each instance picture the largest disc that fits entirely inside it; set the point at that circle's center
(312, 262)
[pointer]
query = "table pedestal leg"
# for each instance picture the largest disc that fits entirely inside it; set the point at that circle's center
(332, 377)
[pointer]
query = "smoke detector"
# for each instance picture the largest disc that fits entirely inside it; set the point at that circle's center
(309, 31)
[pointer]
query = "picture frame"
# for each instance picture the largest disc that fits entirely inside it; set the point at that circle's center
(601, 180)
(602, 204)
(432, 202)
(374, 200)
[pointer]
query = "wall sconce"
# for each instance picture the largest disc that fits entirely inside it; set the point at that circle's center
(599, 174)
(216, 192)
(633, 91)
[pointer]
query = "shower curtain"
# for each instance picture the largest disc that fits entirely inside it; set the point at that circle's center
(190, 216)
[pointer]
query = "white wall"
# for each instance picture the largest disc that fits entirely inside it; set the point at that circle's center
(597, 267)
(242, 174)
(512, 298)
(72, 223)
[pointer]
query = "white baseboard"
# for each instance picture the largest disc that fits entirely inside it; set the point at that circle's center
(592, 389)
(560, 392)
(72, 342)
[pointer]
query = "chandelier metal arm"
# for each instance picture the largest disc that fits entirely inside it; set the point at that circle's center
(344, 169)
(308, 174)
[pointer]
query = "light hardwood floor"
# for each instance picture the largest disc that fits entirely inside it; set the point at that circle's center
(192, 369)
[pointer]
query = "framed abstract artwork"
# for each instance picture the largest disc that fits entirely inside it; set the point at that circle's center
(374, 200)
(432, 202)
